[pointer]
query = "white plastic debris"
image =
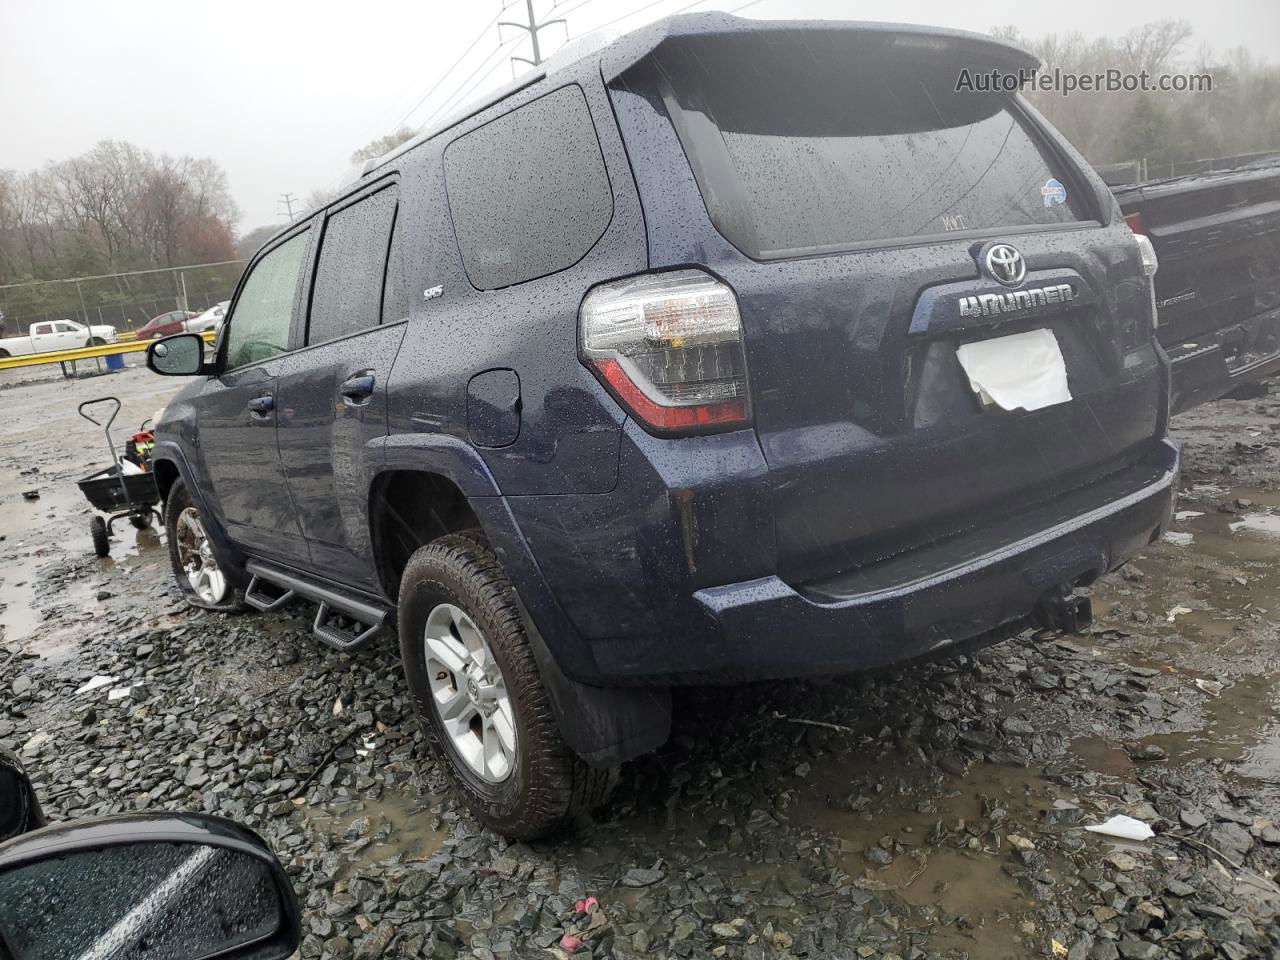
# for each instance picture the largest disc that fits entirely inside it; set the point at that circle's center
(119, 693)
(96, 683)
(1123, 828)
(1180, 538)
(1177, 612)
(1188, 514)
(1211, 687)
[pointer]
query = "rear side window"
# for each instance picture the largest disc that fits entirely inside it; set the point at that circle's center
(803, 145)
(259, 327)
(528, 192)
(347, 296)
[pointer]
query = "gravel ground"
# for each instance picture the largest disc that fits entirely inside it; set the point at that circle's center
(931, 811)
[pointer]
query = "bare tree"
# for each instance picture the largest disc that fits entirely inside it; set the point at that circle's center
(1150, 47)
(376, 148)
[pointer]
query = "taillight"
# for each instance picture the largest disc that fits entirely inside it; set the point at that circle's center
(1146, 250)
(669, 348)
(1150, 262)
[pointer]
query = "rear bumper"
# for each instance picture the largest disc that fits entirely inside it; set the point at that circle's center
(1202, 372)
(923, 603)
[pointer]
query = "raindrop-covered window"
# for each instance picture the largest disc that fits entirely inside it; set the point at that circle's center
(528, 191)
(815, 141)
(259, 328)
(347, 295)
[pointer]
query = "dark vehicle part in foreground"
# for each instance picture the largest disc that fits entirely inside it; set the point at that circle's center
(135, 886)
(114, 491)
(678, 363)
(19, 807)
(1218, 290)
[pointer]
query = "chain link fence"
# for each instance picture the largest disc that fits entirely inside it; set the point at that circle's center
(125, 301)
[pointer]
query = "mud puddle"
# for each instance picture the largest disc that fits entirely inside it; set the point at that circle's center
(1241, 733)
(35, 535)
(948, 839)
(392, 829)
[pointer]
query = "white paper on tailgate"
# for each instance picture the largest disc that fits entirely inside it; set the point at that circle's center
(1023, 371)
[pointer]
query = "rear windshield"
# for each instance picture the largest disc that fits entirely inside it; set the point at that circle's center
(800, 145)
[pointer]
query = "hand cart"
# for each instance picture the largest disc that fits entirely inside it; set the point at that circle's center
(115, 492)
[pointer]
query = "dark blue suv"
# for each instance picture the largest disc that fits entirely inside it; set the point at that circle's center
(728, 350)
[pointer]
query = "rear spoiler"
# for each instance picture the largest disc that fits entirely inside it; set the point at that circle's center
(971, 49)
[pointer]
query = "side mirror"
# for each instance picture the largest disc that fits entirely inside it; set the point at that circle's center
(181, 355)
(145, 886)
(19, 809)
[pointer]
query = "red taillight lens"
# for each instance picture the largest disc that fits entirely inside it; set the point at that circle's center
(1134, 222)
(669, 347)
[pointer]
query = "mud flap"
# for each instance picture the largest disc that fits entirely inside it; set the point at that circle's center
(605, 726)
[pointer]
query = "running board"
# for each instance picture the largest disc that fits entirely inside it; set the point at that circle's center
(261, 602)
(369, 617)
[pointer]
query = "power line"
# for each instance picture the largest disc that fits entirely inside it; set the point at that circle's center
(445, 76)
(459, 95)
(654, 3)
(576, 6)
(288, 200)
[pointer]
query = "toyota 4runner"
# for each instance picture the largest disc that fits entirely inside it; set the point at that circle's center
(731, 349)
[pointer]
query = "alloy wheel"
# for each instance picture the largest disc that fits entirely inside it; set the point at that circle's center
(195, 556)
(470, 693)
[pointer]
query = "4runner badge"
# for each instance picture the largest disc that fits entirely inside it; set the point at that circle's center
(993, 304)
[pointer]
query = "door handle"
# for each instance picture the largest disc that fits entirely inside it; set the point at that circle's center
(358, 388)
(261, 406)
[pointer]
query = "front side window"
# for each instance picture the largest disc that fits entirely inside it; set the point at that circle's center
(259, 328)
(528, 191)
(64, 328)
(347, 296)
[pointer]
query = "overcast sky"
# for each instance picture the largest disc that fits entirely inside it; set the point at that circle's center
(281, 92)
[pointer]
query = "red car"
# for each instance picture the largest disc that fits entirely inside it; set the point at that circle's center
(175, 321)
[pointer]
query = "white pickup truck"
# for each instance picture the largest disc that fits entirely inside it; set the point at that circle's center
(52, 335)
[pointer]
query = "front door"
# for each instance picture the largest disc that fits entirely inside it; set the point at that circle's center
(332, 392)
(238, 409)
(70, 337)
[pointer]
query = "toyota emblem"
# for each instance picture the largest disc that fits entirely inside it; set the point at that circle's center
(1004, 264)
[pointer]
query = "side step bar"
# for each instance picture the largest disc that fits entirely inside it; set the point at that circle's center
(372, 618)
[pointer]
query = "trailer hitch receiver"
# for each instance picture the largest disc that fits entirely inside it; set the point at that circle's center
(1064, 610)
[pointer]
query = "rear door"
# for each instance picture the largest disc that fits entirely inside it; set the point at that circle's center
(43, 339)
(333, 391)
(853, 193)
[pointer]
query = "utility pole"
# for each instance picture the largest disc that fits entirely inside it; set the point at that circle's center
(287, 199)
(531, 28)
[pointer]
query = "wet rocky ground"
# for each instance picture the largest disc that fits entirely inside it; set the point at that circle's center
(932, 811)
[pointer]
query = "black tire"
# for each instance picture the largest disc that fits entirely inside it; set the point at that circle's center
(549, 783)
(4, 354)
(96, 342)
(98, 532)
(177, 501)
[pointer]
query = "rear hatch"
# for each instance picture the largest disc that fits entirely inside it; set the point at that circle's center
(851, 191)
